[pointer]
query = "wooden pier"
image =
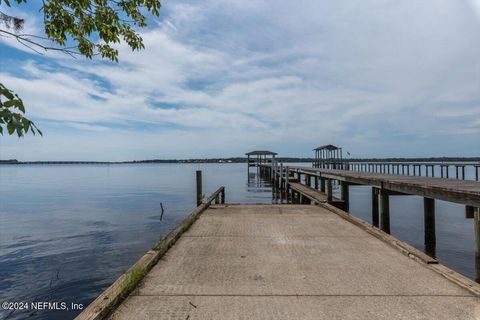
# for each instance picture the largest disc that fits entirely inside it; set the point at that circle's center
(319, 181)
(298, 261)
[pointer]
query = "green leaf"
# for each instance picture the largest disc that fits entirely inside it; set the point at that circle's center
(13, 103)
(6, 93)
(26, 124)
(10, 128)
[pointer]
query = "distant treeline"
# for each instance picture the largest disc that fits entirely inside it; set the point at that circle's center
(244, 159)
(293, 159)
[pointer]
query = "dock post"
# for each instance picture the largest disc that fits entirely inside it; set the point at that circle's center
(322, 185)
(345, 195)
(199, 187)
(429, 225)
(273, 171)
(315, 180)
(476, 224)
(308, 180)
(375, 207)
(286, 179)
(280, 180)
(384, 211)
(469, 212)
(329, 191)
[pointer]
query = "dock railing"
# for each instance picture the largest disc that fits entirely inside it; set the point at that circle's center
(427, 169)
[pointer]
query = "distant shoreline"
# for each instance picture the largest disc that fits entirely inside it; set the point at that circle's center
(244, 160)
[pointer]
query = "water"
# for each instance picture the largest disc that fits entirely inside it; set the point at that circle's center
(68, 231)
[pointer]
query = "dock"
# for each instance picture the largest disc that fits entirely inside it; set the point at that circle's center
(291, 262)
(306, 259)
(314, 185)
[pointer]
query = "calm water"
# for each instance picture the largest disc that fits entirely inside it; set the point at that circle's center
(68, 231)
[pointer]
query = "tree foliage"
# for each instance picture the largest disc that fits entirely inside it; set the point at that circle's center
(11, 114)
(77, 28)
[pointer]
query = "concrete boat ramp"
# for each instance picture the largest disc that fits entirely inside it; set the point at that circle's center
(293, 262)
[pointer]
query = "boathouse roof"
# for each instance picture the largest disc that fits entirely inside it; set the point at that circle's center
(327, 147)
(261, 152)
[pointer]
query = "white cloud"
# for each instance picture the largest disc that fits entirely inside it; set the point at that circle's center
(266, 74)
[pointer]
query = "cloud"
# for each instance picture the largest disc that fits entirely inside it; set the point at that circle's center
(371, 76)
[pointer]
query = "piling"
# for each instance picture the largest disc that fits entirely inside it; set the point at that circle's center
(384, 211)
(476, 225)
(345, 195)
(329, 191)
(199, 187)
(429, 225)
(375, 217)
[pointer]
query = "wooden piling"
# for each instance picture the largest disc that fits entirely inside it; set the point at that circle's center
(329, 191)
(199, 187)
(429, 225)
(322, 185)
(287, 174)
(384, 211)
(222, 196)
(375, 207)
(476, 226)
(469, 212)
(345, 195)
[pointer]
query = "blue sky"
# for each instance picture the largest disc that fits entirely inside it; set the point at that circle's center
(218, 78)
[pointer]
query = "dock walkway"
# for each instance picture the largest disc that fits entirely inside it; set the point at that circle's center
(459, 191)
(290, 262)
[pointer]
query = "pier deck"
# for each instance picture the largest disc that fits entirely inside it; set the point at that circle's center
(459, 191)
(290, 262)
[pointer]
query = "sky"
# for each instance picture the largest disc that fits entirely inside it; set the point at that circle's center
(218, 78)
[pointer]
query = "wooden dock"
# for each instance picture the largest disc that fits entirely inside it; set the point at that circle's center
(292, 262)
(319, 181)
(465, 192)
(297, 261)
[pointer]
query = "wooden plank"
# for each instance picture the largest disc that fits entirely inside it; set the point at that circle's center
(310, 193)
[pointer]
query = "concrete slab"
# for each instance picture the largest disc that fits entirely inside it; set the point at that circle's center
(293, 308)
(290, 262)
